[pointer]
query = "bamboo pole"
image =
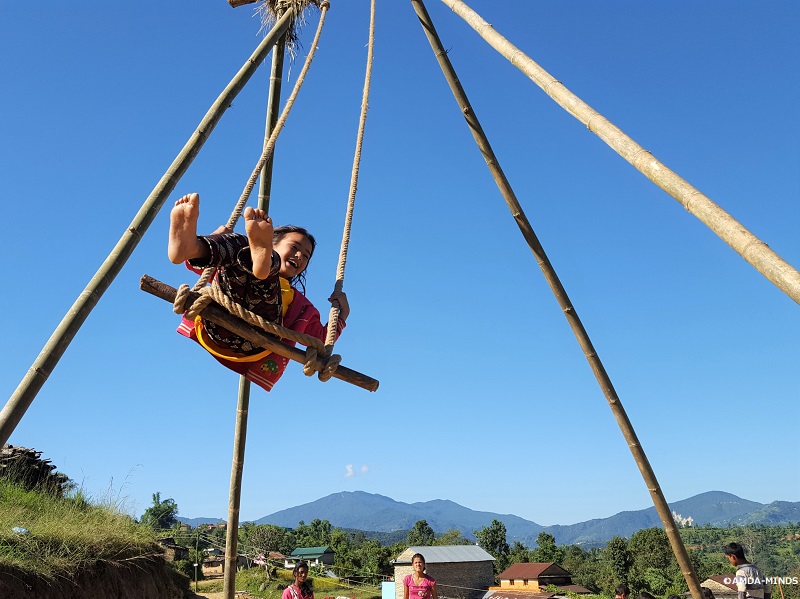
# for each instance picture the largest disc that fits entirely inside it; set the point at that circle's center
(243, 402)
(235, 493)
(782, 274)
(628, 432)
(55, 347)
(275, 82)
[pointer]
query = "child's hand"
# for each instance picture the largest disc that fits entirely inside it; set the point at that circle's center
(344, 307)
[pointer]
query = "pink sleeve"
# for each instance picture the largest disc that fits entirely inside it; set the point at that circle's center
(308, 321)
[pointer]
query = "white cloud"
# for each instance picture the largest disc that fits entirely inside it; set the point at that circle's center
(350, 471)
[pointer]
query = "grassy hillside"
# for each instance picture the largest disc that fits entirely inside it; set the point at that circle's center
(54, 537)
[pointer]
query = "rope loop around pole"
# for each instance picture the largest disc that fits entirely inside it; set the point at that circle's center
(310, 367)
(330, 367)
(326, 373)
(179, 306)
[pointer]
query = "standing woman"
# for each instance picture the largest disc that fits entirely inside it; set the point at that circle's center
(418, 585)
(301, 588)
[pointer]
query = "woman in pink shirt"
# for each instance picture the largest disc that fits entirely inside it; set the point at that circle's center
(301, 589)
(419, 585)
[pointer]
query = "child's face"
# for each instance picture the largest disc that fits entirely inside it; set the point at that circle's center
(295, 251)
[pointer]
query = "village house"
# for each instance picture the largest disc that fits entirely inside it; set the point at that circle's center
(461, 571)
(316, 557)
(528, 580)
(271, 557)
(173, 552)
(214, 565)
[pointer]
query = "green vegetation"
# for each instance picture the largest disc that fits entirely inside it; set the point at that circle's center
(162, 514)
(53, 536)
(645, 562)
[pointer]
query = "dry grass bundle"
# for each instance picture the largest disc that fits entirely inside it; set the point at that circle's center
(270, 11)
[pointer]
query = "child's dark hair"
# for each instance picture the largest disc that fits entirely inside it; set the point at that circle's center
(734, 549)
(707, 593)
(281, 232)
(307, 586)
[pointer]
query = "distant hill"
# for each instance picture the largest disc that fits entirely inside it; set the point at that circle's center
(195, 522)
(370, 512)
(714, 507)
(379, 514)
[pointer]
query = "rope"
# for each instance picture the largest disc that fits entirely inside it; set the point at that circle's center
(333, 319)
(269, 147)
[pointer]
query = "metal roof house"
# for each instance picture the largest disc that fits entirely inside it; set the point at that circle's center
(315, 556)
(460, 571)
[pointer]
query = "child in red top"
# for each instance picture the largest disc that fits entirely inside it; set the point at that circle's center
(258, 271)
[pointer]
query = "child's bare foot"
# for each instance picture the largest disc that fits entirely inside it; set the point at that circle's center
(259, 233)
(183, 241)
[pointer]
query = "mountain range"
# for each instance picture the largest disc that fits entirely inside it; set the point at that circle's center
(370, 512)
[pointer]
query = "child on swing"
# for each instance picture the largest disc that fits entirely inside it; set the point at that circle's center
(258, 271)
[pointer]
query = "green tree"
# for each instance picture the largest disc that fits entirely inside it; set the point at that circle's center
(547, 550)
(421, 535)
(375, 560)
(574, 557)
(492, 539)
(345, 558)
(519, 553)
(315, 534)
(162, 514)
(594, 573)
(654, 567)
(619, 559)
(260, 540)
(452, 537)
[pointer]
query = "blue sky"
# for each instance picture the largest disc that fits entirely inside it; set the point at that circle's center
(485, 397)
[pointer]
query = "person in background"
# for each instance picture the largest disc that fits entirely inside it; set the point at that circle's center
(749, 577)
(418, 585)
(301, 587)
